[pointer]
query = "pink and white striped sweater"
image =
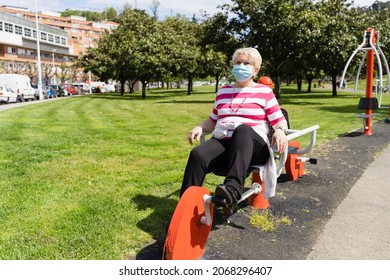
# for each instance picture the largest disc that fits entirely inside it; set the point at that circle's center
(254, 106)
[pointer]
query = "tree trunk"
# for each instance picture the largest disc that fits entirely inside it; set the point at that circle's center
(122, 87)
(277, 87)
(216, 83)
(334, 85)
(144, 84)
(299, 84)
(189, 86)
(131, 86)
(309, 80)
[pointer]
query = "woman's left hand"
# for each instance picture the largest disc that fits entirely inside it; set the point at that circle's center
(280, 139)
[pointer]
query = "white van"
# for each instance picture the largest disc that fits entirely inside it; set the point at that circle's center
(20, 84)
(81, 87)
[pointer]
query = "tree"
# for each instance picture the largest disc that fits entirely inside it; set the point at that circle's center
(213, 64)
(154, 8)
(65, 73)
(271, 27)
(340, 25)
(181, 48)
(110, 14)
(304, 64)
(99, 60)
(218, 43)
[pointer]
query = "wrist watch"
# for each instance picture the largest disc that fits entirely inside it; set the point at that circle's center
(282, 129)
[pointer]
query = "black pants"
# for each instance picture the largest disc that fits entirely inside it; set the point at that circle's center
(230, 157)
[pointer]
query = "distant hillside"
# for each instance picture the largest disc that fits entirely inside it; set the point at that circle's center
(109, 14)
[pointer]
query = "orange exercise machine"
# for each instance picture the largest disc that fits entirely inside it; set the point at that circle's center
(370, 46)
(193, 217)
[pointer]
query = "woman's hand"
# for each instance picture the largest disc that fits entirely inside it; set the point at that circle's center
(207, 125)
(280, 139)
(195, 134)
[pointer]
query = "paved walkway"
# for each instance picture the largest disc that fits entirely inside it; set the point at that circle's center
(360, 227)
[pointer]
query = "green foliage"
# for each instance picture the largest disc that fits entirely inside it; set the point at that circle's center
(300, 39)
(107, 14)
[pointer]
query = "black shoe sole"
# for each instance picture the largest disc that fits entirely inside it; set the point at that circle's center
(221, 191)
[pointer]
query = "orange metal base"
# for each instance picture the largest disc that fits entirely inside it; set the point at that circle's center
(294, 166)
(258, 200)
(187, 237)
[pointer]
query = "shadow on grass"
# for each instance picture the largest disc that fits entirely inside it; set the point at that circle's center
(156, 223)
(155, 94)
(188, 102)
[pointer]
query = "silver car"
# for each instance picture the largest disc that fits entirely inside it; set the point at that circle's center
(7, 95)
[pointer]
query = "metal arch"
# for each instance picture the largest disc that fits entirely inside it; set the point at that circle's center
(379, 56)
(360, 47)
(360, 68)
(388, 79)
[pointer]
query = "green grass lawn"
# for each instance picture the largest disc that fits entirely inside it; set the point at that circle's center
(97, 177)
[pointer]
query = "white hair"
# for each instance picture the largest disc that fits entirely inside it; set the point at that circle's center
(252, 54)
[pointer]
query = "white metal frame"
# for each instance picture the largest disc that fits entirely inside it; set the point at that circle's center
(256, 187)
(379, 57)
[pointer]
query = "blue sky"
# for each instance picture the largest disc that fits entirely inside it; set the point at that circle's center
(166, 8)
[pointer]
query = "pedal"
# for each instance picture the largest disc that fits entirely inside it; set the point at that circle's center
(219, 201)
(309, 160)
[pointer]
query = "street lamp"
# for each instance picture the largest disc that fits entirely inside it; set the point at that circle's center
(90, 82)
(38, 54)
(54, 69)
(89, 72)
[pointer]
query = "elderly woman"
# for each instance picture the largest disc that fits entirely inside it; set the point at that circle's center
(239, 125)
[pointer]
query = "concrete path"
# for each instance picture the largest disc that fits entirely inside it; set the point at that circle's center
(360, 227)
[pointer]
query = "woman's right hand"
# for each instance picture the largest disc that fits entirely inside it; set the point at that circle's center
(195, 134)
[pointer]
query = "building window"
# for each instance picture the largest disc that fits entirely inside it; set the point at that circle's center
(43, 36)
(51, 38)
(18, 30)
(63, 41)
(8, 27)
(27, 32)
(34, 33)
(57, 40)
(21, 51)
(1, 26)
(11, 50)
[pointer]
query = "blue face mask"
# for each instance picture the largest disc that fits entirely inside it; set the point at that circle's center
(242, 72)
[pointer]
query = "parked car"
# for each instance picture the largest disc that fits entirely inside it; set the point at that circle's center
(81, 87)
(7, 95)
(36, 94)
(59, 90)
(20, 84)
(51, 92)
(69, 88)
(109, 88)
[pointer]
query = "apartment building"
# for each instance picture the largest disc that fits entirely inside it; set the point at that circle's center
(62, 40)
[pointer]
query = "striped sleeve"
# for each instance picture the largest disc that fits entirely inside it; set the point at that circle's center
(272, 109)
